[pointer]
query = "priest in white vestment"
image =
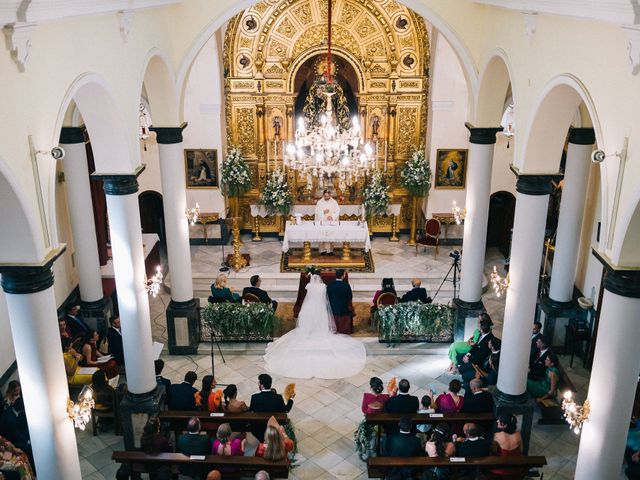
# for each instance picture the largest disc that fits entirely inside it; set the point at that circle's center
(327, 210)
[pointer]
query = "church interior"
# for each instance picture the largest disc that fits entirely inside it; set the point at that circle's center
(181, 181)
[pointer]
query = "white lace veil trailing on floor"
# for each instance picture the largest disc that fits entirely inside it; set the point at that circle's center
(316, 301)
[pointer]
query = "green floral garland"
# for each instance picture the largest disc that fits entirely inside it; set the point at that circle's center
(415, 175)
(415, 321)
(237, 322)
(236, 176)
(376, 195)
(275, 195)
(364, 439)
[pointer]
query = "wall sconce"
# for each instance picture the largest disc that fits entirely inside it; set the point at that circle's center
(500, 284)
(575, 414)
(458, 214)
(80, 413)
(192, 214)
(152, 286)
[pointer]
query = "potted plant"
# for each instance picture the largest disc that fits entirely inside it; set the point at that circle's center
(235, 178)
(376, 195)
(276, 196)
(415, 176)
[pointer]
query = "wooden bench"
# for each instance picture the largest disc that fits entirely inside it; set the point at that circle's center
(377, 467)
(240, 422)
(139, 462)
(485, 419)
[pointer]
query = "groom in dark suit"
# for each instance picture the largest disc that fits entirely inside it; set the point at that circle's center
(267, 400)
(340, 296)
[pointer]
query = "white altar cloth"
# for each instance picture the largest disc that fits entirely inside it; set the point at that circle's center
(347, 231)
(304, 210)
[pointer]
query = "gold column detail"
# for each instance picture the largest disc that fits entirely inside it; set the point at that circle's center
(346, 252)
(306, 251)
(256, 229)
(394, 231)
(414, 221)
(237, 261)
(280, 223)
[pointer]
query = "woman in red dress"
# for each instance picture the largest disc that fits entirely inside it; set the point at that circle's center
(373, 402)
(507, 442)
(91, 354)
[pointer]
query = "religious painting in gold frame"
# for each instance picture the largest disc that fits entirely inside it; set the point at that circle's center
(451, 168)
(201, 168)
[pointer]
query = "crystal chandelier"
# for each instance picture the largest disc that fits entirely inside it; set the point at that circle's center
(80, 413)
(328, 149)
(575, 414)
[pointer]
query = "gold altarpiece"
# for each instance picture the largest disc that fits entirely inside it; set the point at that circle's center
(383, 50)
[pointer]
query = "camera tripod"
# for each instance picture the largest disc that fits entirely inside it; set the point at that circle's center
(455, 267)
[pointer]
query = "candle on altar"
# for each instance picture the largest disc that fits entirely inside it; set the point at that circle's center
(386, 153)
(282, 154)
(267, 156)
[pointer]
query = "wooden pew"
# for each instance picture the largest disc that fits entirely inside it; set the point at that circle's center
(377, 467)
(140, 462)
(484, 419)
(240, 422)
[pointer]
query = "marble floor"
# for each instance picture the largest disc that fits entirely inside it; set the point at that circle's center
(326, 412)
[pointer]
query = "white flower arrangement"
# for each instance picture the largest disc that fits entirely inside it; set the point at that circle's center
(275, 195)
(236, 176)
(415, 175)
(376, 195)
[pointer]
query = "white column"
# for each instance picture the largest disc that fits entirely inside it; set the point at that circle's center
(174, 197)
(614, 376)
(34, 327)
(128, 266)
(576, 174)
(474, 244)
(532, 200)
(85, 244)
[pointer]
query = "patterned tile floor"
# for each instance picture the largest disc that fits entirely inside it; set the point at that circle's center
(326, 412)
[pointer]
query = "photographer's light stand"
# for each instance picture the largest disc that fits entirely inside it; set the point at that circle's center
(455, 267)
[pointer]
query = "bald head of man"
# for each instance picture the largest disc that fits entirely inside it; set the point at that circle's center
(416, 282)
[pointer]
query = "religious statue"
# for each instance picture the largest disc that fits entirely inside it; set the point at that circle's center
(327, 210)
(277, 126)
(375, 126)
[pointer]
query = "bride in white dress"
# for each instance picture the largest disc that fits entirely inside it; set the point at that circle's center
(313, 349)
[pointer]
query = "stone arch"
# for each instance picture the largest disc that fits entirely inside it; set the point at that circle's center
(493, 85)
(17, 215)
(159, 83)
(112, 147)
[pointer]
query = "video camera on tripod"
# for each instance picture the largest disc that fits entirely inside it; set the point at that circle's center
(455, 266)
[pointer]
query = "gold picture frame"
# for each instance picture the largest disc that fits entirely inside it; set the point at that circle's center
(451, 168)
(201, 168)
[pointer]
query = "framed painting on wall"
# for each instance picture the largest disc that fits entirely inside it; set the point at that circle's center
(451, 168)
(201, 168)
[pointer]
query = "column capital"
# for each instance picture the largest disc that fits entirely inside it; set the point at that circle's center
(169, 135)
(23, 279)
(71, 135)
(536, 183)
(619, 280)
(482, 135)
(582, 136)
(119, 183)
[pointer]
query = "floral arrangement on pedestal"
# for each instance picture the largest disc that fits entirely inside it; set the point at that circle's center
(415, 175)
(275, 195)
(236, 176)
(376, 195)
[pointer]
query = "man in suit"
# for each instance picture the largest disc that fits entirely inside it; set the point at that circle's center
(404, 443)
(537, 367)
(76, 324)
(340, 296)
(160, 380)
(267, 401)
(114, 337)
(192, 443)
(182, 395)
(535, 335)
(477, 400)
(416, 294)
(474, 445)
(480, 350)
(262, 295)
(401, 403)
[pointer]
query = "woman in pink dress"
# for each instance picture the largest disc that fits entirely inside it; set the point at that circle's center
(373, 402)
(225, 445)
(451, 402)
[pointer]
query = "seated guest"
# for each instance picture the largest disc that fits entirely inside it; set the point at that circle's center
(402, 402)
(426, 406)
(478, 352)
(13, 422)
(15, 462)
(461, 348)
(374, 401)
(192, 443)
(472, 444)
(403, 444)
(182, 395)
(214, 475)
(439, 445)
(221, 293)
(277, 443)
(91, 354)
(160, 380)
(535, 335)
(225, 445)
(477, 400)
(205, 398)
(262, 475)
(507, 442)
(103, 394)
(547, 386)
(71, 367)
(114, 337)
(231, 404)
(386, 287)
(75, 322)
(255, 289)
(537, 367)
(633, 464)
(416, 294)
(488, 371)
(65, 332)
(153, 442)
(452, 401)
(267, 400)
(13, 393)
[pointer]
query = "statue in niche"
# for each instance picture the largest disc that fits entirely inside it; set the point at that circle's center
(375, 126)
(277, 126)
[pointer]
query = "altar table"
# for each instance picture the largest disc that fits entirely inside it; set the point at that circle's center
(346, 232)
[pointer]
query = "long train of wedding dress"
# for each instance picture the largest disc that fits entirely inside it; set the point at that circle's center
(313, 349)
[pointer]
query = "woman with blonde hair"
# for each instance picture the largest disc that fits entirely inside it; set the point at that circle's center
(225, 445)
(220, 293)
(276, 443)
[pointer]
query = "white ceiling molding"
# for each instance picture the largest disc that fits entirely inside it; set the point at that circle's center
(633, 47)
(125, 18)
(530, 25)
(18, 41)
(619, 12)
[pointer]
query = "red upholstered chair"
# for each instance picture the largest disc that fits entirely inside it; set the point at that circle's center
(250, 298)
(386, 298)
(431, 236)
